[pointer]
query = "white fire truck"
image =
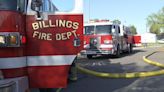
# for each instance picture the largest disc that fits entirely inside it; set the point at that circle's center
(103, 37)
(37, 44)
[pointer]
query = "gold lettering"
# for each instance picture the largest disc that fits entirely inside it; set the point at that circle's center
(42, 36)
(40, 24)
(35, 34)
(62, 23)
(35, 26)
(55, 23)
(51, 25)
(44, 24)
(58, 37)
(69, 34)
(63, 35)
(69, 24)
(75, 25)
(49, 36)
(74, 32)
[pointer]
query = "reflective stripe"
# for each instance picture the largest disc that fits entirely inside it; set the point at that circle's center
(50, 60)
(106, 46)
(9, 63)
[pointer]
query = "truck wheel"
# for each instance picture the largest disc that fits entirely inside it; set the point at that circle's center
(118, 52)
(89, 56)
(130, 48)
(73, 73)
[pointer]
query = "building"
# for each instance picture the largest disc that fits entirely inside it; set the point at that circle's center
(148, 38)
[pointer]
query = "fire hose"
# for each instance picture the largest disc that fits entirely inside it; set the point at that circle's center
(127, 75)
(152, 62)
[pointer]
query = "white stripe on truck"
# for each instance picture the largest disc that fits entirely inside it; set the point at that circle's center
(15, 62)
(50, 60)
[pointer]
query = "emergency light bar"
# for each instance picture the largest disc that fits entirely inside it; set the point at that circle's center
(10, 39)
(95, 21)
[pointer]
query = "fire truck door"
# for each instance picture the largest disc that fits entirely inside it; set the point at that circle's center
(116, 37)
(54, 39)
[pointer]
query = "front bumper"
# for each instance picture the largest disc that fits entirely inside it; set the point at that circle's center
(97, 52)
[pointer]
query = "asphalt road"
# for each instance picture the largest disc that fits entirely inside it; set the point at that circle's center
(126, 63)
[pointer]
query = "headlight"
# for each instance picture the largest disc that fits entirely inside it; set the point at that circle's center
(107, 42)
(2, 40)
(10, 39)
(13, 40)
(85, 42)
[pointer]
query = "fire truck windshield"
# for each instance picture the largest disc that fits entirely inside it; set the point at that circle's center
(89, 30)
(98, 29)
(103, 29)
(15, 5)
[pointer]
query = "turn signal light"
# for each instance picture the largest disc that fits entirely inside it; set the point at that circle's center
(23, 40)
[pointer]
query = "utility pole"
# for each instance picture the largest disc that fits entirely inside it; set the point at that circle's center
(89, 9)
(146, 28)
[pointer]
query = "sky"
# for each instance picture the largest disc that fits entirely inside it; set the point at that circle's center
(129, 12)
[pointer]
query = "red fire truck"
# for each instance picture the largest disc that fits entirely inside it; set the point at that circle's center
(106, 38)
(38, 43)
(137, 40)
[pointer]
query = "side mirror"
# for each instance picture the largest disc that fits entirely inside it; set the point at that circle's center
(76, 42)
(125, 36)
(121, 33)
(113, 31)
(36, 5)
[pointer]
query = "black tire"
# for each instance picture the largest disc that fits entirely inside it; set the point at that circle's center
(130, 49)
(89, 56)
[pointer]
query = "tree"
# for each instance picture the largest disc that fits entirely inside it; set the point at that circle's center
(116, 21)
(155, 28)
(156, 21)
(133, 29)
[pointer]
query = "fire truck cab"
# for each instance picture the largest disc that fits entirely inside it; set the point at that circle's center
(106, 38)
(34, 42)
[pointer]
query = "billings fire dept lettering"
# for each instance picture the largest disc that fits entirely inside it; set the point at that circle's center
(66, 35)
(55, 24)
(42, 36)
